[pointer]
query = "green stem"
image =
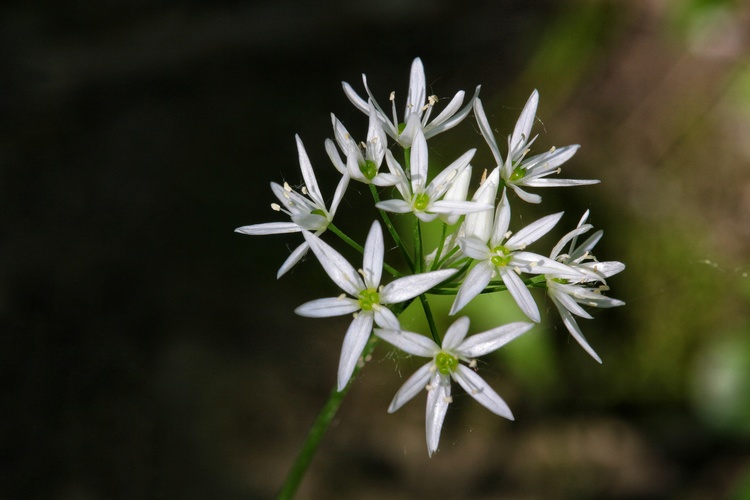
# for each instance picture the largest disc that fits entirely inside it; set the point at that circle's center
(439, 248)
(318, 430)
(392, 229)
(418, 257)
(430, 319)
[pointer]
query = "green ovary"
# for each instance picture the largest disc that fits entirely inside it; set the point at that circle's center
(421, 201)
(369, 169)
(446, 363)
(518, 174)
(368, 298)
(503, 257)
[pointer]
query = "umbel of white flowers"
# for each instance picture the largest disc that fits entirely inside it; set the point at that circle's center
(477, 254)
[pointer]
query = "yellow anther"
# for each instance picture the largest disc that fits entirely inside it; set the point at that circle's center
(276, 207)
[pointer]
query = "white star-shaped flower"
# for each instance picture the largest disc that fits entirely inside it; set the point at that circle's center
(368, 299)
(362, 164)
(568, 293)
(499, 253)
(445, 365)
(517, 171)
(418, 104)
(308, 213)
(423, 199)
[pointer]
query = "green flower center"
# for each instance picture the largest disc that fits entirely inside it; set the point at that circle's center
(503, 256)
(318, 211)
(518, 174)
(401, 127)
(421, 201)
(369, 169)
(368, 298)
(446, 363)
(562, 281)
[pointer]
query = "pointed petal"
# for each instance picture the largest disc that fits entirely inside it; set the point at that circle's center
(395, 206)
(418, 162)
(502, 221)
(575, 331)
(335, 265)
(520, 294)
(354, 341)
(476, 387)
(293, 258)
(525, 195)
(558, 182)
(522, 131)
(417, 89)
(269, 228)
(437, 126)
(411, 387)
(308, 174)
(372, 264)
(333, 154)
(438, 399)
(486, 130)
(568, 237)
(358, 102)
(607, 269)
(324, 308)
(385, 318)
(567, 301)
(474, 248)
(339, 194)
(479, 224)
(447, 112)
(409, 342)
(477, 279)
(586, 246)
(491, 340)
(456, 333)
(408, 287)
(533, 231)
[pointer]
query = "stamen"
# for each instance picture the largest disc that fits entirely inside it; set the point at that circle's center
(392, 97)
(473, 363)
(287, 187)
(304, 190)
(276, 207)
(341, 297)
(448, 399)
(507, 234)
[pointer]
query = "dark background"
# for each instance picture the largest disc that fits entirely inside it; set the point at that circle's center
(148, 351)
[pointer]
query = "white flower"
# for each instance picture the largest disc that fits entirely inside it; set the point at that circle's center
(418, 104)
(419, 197)
(518, 171)
(368, 299)
(306, 213)
(437, 374)
(496, 256)
(567, 294)
(361, 167)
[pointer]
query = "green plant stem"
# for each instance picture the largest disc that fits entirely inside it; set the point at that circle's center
(392, 229)
(318, 430)
(439, 250)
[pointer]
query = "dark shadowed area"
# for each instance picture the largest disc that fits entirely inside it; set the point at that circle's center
(148, 351)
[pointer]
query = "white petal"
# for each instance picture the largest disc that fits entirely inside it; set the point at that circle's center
(269, 228)
(534, 263)
(457, 207)
(324, 308)
(520, 293)
(437, 126)
(522, 131)
(408, 287)
(372, 264)
(502, 221)
(575, 331)
(586, 246)
(479, 224)
(333, 154)
(308, 175)
(417, 89)
(533, 231)
(354, 342)
(456, 333)
(443, 181)
(419, 161)
(411, 343)
(477, 279)
(293, 258)
(339, 195)
(336, 266)
(396, 206)
(385, 318)
(447, 112)
(476, 387)
(484, 127)
(558, 182)
(438, 400)
(607, 269)
(491, 340)
(568, 237)
(474, 248)
(525, 195)
(567, 301)
(411, 387)
(358, 102)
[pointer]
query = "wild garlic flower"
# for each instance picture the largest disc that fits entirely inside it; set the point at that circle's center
(368, 299)
(517, 171)
(425, 200)
(361, 167)
(503, 255)
(445, 365)
(568, 294)
(418, 104)
(307, 210)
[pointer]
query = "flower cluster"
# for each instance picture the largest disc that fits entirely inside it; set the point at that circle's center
(479, 251)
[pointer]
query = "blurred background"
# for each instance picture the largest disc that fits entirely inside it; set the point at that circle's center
(148, 351)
